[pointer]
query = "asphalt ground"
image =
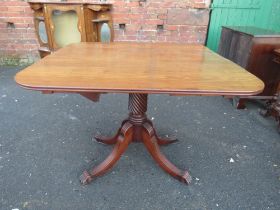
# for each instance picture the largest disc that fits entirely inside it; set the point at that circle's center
(46, 142)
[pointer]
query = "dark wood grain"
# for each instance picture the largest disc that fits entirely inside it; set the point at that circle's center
(273, 108)
(277, 52)
(86, 12)
(136, 128)
(143, 68)
(252, 49)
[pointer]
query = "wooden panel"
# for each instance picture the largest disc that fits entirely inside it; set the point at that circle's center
(105, 15)
(225, 42)
(91, 29)
(44, 51)
(39, 17)
(240, 49)
(49, 8)
(86, 30)
(235, 46)
(139, 68)
(252, 48)
(261, 63)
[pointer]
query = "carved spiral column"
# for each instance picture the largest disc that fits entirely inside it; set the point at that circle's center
(137, 106)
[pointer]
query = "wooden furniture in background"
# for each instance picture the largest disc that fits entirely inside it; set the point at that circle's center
(277, 56)
(273, 108)
(252, 48)
(60, 23)
(138, 69)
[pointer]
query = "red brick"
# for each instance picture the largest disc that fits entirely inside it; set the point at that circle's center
(162, 17)
(133, 4)
(149, 27)
(119, 3)
(16, 9)
(156, 10)
(133, 27)
(168, 4)
(161, 38)
(138, 10)
(199, 5)
(22, 25)
(120, 16)
(3, 9)
(187, 17)
(153, 21)
(135, 16)
(121, 20)
(14, 3)
(150, 16)
(149, 33)
(130, 38)
(124, 10)
(182, 23)
(172, 27)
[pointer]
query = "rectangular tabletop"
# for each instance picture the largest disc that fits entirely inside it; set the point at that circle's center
(139, 68)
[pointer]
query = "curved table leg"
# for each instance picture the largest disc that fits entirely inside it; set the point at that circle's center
(150, 141)
(109, 140)
(123, 140)
(165, 141)
(162, 141)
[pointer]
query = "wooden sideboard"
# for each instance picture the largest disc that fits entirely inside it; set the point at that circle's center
(273, 108)
(276, 104)
(253, 49)
(60, 23)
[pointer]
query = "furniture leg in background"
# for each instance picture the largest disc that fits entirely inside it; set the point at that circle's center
(273, 108)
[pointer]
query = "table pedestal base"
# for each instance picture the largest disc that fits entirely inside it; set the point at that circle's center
(137, 128)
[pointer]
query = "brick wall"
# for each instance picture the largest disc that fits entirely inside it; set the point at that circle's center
(183, 21)
(17, 38)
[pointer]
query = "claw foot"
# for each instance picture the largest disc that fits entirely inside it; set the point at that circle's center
(85, 178)
(186, 178)
(105, 140)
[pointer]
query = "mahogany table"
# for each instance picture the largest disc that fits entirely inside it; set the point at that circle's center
(137, 69)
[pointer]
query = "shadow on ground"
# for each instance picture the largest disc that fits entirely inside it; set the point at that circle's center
(46, 142)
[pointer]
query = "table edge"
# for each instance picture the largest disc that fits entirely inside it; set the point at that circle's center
(150, 91)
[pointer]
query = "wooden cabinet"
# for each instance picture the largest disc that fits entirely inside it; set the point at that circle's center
(252, 48)
(58, 24)
(273, 109)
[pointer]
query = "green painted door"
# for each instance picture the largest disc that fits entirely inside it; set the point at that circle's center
(273, 20)
(258, 13)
